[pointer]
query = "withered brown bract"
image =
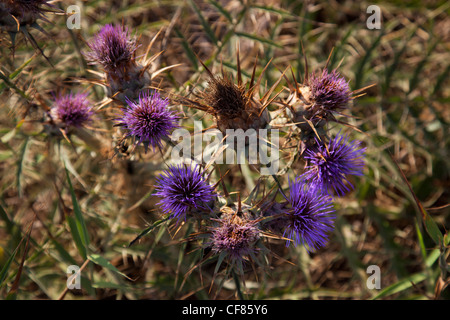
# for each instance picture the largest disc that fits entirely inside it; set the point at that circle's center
(234, 105)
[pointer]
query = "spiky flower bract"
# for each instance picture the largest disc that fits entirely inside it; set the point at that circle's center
(225, 97)
(72, 110)
(330, 92)
(331, 163)
(148, 120)
(113, 48)
(235, 237)
(234, 105)
(183, 190)
(25, 12)
(308, 216)
(18, 16)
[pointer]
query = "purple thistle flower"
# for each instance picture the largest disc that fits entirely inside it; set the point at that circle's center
(329, 165)
(148, 119)
(183, 190)
(235, 236)
(308, 216)
(329, 91)
(112, 47)
(72, 110)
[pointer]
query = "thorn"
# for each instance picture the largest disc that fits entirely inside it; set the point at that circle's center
(239, 74)
(329, 58)
(306, 63)
(298, 94)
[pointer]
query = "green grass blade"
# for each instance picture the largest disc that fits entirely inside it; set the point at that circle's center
(395, 64)
(6, 219)
(74, 230)
(272, 9)
(258, 39)
(187, 48)
(359, 74)
(7, 265)
(415, 79)
(149, 229)
(206, 26)
(78, 223)
(101, 261)
(20, 163)
(335, 57)
(440, 80)
(13, 75)
(222, 10)
(401, 285)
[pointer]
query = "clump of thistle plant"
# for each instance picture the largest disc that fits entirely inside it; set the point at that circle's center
(317, 101)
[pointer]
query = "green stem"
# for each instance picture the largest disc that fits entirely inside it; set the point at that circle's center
(238, 285)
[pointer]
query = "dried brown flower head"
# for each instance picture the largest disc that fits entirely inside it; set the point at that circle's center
(234, 105)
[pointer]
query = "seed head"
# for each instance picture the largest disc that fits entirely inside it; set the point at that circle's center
(233, 106)
(226, 98)
(183, 190)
